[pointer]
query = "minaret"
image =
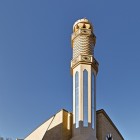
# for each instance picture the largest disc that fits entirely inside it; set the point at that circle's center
(84, 70)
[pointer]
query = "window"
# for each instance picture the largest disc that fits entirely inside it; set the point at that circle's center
(85, 96)
(77, 99)
(93, 94)
(109, 137)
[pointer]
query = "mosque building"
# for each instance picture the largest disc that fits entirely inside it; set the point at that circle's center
(85, 122)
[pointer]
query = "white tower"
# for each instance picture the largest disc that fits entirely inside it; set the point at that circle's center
(84, 69)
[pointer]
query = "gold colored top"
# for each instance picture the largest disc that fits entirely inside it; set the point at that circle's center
(82, 23)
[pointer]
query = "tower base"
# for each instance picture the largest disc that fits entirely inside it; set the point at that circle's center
(83, 133)
(84, 137)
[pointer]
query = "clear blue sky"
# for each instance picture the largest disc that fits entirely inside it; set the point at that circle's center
(35, 54)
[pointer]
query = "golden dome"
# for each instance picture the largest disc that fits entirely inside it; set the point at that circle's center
(82, 23)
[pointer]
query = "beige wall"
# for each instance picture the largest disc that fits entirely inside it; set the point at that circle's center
(105, 126)
(59, 127)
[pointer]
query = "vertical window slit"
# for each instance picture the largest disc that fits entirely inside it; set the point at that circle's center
(85, 97)
(77, 99)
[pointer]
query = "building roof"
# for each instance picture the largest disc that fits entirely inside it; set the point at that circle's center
(57, 119)
(102, 111)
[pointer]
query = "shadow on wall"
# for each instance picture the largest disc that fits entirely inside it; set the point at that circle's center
(63, 131)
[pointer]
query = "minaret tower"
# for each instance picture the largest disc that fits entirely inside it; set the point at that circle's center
(84, 70)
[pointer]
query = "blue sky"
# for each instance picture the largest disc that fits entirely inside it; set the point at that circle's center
(35, 54)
